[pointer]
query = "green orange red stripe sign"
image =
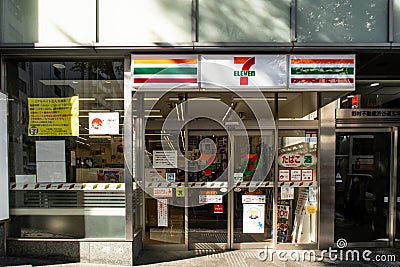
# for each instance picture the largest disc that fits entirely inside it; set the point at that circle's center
(316, 71)
(161, 70)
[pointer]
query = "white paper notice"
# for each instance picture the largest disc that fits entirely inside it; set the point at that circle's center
(162, 212)
(295, 175)
(306, 175)
(253, 218)
(165, 159)
(284, 175)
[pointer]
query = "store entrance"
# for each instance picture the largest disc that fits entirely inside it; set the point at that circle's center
(208, 180)
(365, 186)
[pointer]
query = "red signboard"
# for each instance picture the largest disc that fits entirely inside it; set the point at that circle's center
(218, 208)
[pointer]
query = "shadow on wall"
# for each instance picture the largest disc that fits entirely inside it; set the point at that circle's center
(244, 21)
(341, 21)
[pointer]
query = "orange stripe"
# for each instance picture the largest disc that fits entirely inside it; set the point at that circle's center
(240, 60)
(165, 61)
(322, 61)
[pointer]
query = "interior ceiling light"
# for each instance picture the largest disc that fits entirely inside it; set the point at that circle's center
(75, 82)
(87, 99)
(374, 84)
(59, 66)
(259, 99)
(114, 99)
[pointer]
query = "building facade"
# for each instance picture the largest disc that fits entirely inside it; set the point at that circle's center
(197, 125)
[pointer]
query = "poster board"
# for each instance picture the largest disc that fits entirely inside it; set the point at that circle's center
(4, 201)
(165, 159)
(162, 212)
(253, 218)
(50, 161)
(55, 116)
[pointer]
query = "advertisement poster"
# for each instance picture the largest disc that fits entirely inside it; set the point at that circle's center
(53, 116)
(312, 194)
(103, 123)
(299, 215)
(162, 212)
(283, 212)
(253, 218)
(287, 192)
(165, 159)
(284, 175)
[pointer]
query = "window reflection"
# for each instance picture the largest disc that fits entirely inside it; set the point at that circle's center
(40, 94)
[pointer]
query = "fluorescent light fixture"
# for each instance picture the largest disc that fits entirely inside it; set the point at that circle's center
(259, 99)
(82, 138)
(75, 82)
(107, 81)
(153, 116)
(374, 84)
(59, 66)
(195, 98)
(114, 99)
(350, 96)
(100, 136)
(83, 116)
(87, 99)
(94, 110)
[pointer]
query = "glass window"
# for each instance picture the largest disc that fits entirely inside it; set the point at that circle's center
(300, 106)
(383, 95)
(19, 21)
(145, 21)
(48, 21)
(396, 23)
(297, 181)
(244, 21)
(65, 132)
(342, 21)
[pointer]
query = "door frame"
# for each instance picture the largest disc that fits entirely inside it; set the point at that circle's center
(391, 220)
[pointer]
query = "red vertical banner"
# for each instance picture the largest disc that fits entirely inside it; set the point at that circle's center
(355, 101)
(218, 208)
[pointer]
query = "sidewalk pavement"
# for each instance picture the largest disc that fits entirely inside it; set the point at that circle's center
(240, 258)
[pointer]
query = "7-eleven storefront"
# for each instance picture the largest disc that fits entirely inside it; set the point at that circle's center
(233, 151)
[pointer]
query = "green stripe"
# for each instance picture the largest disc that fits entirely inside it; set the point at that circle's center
(165, 71)
(322, 71)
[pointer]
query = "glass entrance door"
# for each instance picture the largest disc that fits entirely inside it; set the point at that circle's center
(207, 187)
(364, 168)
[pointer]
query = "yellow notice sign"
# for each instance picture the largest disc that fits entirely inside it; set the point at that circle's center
(180, 192)
(53, 116)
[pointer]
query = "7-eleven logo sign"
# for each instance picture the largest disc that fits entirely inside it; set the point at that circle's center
(244, 74)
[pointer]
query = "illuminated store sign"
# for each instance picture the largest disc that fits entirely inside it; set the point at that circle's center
(243, 71)
(317, 72)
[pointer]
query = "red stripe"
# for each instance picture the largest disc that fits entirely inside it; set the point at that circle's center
(322, 61)
(165, 80)
(322, 80)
